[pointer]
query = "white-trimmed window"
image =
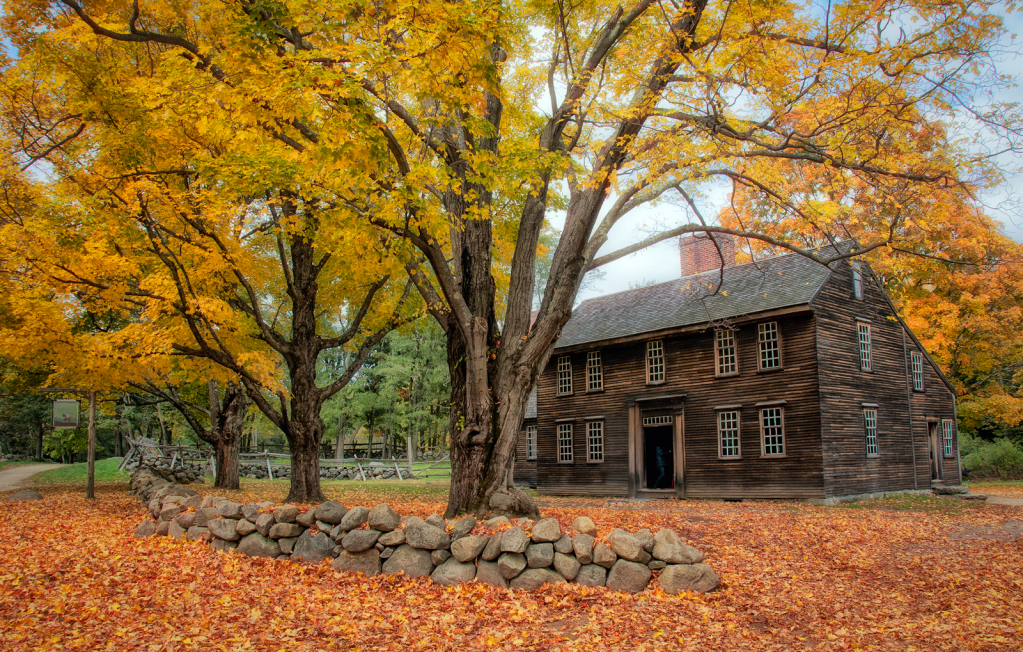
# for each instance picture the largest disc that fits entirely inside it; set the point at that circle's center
(917, 362)
(595, 441)
(947, 435)
(530, 442)
(728, 434)
(594, 372)
(863, 329)
(857, 274)
(564, 375)
(727, 360)
(770, 345)
(565, 443)
(870, 430)
(655, 362)
(772, 430)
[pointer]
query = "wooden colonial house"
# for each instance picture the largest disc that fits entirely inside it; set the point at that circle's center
(791, 380)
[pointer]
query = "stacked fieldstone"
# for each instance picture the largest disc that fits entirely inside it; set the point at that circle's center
(378, 470)
(521, 554)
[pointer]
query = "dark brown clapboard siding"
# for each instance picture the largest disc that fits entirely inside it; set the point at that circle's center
(844, 388)
(934, 403)
(525, 469)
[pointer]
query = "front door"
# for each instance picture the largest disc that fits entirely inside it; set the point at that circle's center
(659, 453)
(932, 447)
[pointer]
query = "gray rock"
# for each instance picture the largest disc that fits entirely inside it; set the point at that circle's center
(145, 529)
(355, 517)
(468, 548)
(645, 557)
(489, 572)
(492, 523)
(286, 514)
(196, 533)
(229, 510)
(186, 519)
(250, 511)
(393, 538)
(414, 562)
(263, 523)
(223, 546)
(439, 557)
(25, 494)
(360, 540)
(283, 557)
(564, 545)
(567, 565)
(591, 575)
(688, 577)
(171, 512)
(463, 527)
(625, 545)
(287, 544)
(162, 527)
(306, 518)
(384, 554)
(383, 518)
(646, 538)
(175, 531)
(582, 544)
(245, 527)
(628, 576)
(224, 528)
(420, 534)
(336, 533)
(603, 556)
(205, 515)
(668, 548)
(534, 578)
(436, 520)
(453, 571)
(546, 530)
(330, 512)
(265, 505)
(585, 525)
(540, 555)
(514, 540)
(191, 502)
(511, 564)
(323, 526)
(366, 562)
(285, 530)
(656, 564)
(312, 546)
(493, 549)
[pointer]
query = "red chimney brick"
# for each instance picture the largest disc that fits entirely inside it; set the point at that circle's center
(699, 254)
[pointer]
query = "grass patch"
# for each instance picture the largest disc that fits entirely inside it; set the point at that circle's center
(106, 471)
(912, 503)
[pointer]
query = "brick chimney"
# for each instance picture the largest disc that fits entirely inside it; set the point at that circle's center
(699, 254)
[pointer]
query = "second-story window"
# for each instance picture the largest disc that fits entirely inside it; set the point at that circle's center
(863, 329)
(770, 345)
(594, 372)
(655, 362)
(728, 362)
(857, 279)
(917, 359)
(564, 375)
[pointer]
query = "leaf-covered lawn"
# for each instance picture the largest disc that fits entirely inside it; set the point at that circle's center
(1007, 488)
(794, 577)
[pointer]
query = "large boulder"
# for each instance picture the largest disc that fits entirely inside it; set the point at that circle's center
(688, 577)
(250, 511)
(171, 511)
(585, 525)
(540, 555)
(438, 557)
(436, 520)
(25, 494)
(625, 545)
(420, 534)
(603, 556)
(306, 518)
(453, 571)
(564, 545)
(646, 538)
(224, 528)
(264, 522)
(514, 504)
(534, 578)
(287, 544)
(207, 514)
(360, 540)
(468, 548)
(355, 517)
(366, 562)
(414, 562)
(312, 547)
(463, 527)
(383, 518)
(392, 538)
(493, 549)
(668, 548)
(330, 512)
(229, 510)
(196, 533)
(567, 565)
(628, 576)
(490, 573)
(286, 514)
(514, 540)
(244, 527)
(257, 545)
(582, 545)
(285, 530)
(511, 564)
(186, 519)
(145, 529)
(591, 575)
(546, 530)
(175, 531)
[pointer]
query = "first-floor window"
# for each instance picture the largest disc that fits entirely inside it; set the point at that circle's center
(564, 442)
(530, 442)
(595, 441)
(772, 428)
(947, 434)
(728, 434)
(870, 427)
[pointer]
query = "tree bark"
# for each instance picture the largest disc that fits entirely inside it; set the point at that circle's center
(226, 434)
(39, 442)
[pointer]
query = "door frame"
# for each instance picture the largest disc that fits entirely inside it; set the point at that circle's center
(934, 451)
(637, 472)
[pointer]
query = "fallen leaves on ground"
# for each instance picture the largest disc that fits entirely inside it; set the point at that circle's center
(794, 577)
(1009, 490)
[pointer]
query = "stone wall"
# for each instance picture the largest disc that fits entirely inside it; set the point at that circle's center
(257, 470)
(522, 554)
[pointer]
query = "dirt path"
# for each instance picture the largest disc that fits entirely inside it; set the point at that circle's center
(13, 477)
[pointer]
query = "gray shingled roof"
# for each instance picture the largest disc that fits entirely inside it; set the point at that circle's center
(780, 282)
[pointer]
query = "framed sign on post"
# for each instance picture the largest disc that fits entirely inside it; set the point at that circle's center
(65, 414)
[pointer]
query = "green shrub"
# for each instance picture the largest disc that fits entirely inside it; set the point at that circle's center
(1002, 459)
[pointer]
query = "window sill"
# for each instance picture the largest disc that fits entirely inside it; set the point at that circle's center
(773, 457)
(560, 395)
(568, 462)
(874, 457)
(530, 459)
(595, 462)
(772, 370)
(655, 383)
(918, 391)
(732, 375)
(730, 459)
(595, 391)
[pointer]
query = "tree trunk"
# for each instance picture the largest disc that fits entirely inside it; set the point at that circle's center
(227, 451)
(165, 437)
(227, 420)
(39, 442)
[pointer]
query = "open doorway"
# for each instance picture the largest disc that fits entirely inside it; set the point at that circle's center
(659, 455)
(933, 442)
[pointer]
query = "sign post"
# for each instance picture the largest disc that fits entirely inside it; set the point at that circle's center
(65, 416)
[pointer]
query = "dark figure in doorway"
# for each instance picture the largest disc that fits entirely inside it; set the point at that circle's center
(661, 464)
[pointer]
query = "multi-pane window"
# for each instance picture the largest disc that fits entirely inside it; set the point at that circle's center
(864, 335)
(565, 375)
(594, 372)
(728, 362)
(595, 441)
(857, 279)
(947, 434)
(917, 360)
(770, 345)
(564, 442)
(728, 434)
(530, 442)
(655, 362)
(870, 428)
(772, 429)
